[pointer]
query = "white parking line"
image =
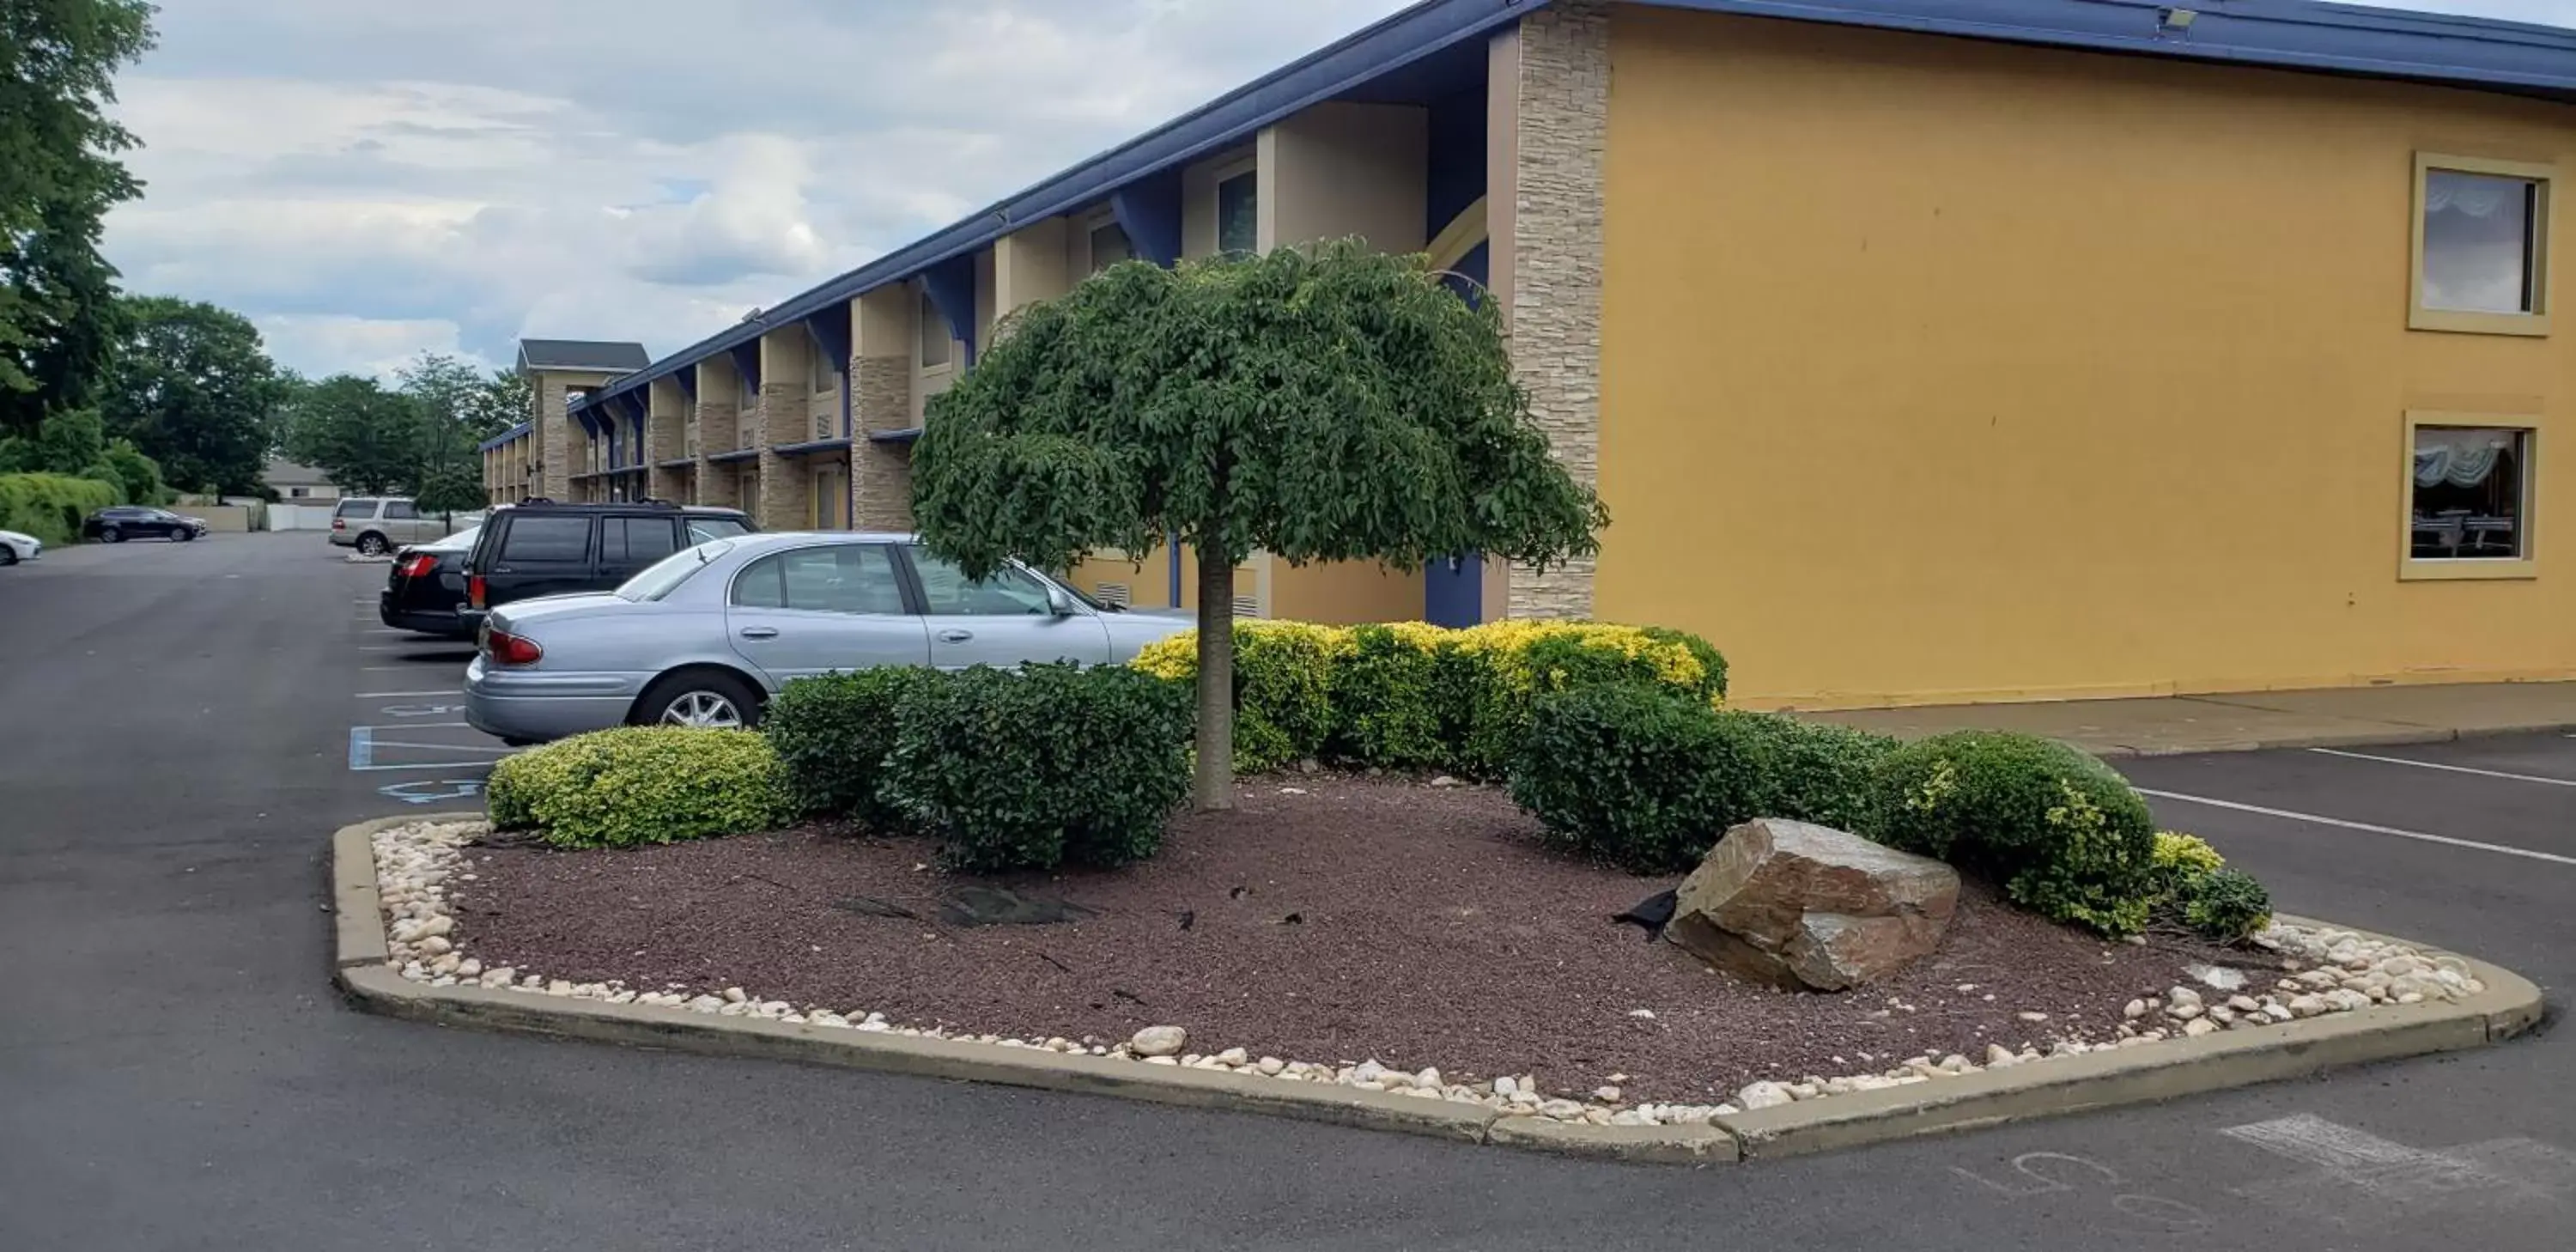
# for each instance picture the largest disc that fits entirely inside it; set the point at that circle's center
(443, 747)
(402, 695)
(2454, 769)
(2550, 857)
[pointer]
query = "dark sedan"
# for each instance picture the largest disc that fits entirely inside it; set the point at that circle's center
(426, 586)
(129, 521)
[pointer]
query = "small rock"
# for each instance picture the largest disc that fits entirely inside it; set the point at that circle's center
(2134, 1009)
(1566, 1109)
(2180, 997)
(2309, 1006)
(1443, 780)
(2344, 1000)
(1369, 1071)
(1232, 1057)
(1764, 1095)
(1429, 1078)
(2245, 1004)
(2032, 1016)
(735, 995)
(1630, 1117)
(1154, 1041)
(2199, 1026)
(469, 968)
(1647, 1014)
(1165, 1059)
(1505, 1085)
(1270, 1065)
(559, 987)
(2218, 976)
(2277, 1012)
(2411, 997)
(1606, 1095)
(2185, 1012)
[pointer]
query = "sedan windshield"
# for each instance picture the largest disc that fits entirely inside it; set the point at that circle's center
(665, 576)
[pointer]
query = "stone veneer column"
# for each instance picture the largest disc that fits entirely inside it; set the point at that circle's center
(665, 421)
(882, 349)
(1563, 114)
(554, 439)
(786, 482)
(716, 486)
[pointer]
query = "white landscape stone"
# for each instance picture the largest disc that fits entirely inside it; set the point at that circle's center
(1158, 1041)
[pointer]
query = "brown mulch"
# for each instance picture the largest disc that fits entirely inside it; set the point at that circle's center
(1328, 918)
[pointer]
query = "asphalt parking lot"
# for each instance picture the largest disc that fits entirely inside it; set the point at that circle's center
(191, 721)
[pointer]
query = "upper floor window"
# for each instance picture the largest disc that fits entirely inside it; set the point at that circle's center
(935, 343)
(2481, 246)
(1238, 213)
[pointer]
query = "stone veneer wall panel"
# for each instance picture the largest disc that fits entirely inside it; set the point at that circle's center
(881, 474)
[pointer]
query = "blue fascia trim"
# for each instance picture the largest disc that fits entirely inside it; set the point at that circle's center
(746, 362)
(2296, 34)
(811, 447)
(1149, 210)
(513, 434)
(737, 454)
(687, 377)
(679, 463)
(1229, 120)
(905, 435)
(951, 284)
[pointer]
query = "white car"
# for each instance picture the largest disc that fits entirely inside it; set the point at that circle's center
(16, 547)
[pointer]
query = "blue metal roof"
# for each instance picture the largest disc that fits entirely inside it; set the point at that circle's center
(2302, 34)
(506, 436)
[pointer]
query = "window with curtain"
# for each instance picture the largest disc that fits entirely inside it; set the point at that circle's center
(2470, 485)
(1238, 213)
(2482, 245)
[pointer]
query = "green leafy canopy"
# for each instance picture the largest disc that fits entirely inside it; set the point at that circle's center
(1332, 404)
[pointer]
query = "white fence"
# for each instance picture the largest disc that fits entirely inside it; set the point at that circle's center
(299, 516)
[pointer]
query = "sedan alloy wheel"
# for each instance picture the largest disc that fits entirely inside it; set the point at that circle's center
(705, 710)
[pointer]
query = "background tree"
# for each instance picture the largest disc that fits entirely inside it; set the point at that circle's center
(1334, 406)
(59, 175)
(458, 407)
(194, 388)
(368, 439)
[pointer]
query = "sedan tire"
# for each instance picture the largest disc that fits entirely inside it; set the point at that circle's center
(372, 544)
(708, 699)
(112, 534)
(182, 535)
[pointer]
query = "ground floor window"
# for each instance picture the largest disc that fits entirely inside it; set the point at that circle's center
(2468, 495)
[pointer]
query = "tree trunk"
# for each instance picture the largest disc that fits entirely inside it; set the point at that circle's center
(1213, 787)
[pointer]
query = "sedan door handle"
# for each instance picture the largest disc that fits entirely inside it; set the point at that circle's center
(953, 635)
(759, 632)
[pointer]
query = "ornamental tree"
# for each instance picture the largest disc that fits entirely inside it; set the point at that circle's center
(1324, 405)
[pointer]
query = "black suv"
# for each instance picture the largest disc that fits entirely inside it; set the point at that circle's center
(541, 548)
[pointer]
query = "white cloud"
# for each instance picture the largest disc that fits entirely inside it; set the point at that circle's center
(370, 180)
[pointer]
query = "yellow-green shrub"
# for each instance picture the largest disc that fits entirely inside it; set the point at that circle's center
(51, 506)
(640, 784)
(2195, 888)
(1414, 696)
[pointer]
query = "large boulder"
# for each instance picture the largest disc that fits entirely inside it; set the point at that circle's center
(1799, 905)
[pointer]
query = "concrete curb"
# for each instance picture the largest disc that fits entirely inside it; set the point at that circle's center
(2508, 1006)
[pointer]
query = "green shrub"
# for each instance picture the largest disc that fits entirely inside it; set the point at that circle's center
(1031, 768)
(51, 506)
(1811, 771)
(1409, 696)
(2065, 835)
(1634, 776)
(640, 784)
(2226, 905)
(1387, 704)
(832, 735)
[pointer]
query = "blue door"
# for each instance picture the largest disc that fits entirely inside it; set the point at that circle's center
(1453, 591)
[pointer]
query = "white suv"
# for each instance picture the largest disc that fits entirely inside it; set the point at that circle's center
(376, 525)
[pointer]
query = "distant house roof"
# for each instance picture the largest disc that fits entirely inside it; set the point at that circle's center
(285, 473)
(591, 355)
(2482, 53)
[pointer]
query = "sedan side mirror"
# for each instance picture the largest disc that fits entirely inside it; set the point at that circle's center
(1058, 603)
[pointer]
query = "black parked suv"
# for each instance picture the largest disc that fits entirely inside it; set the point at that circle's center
(541, 548)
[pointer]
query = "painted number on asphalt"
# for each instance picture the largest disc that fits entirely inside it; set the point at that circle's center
(2356, 1178)
(2059, 1173)
(431, 792)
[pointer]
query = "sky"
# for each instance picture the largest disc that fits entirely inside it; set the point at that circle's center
(371, 179)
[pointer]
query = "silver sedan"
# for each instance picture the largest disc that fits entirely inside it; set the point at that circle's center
(706, 635)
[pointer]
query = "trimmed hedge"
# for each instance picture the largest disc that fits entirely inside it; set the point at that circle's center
(833, 734)
(2064, 835)
(1811, 771)
(640, 784)
(1635, 776)
(1415, 697)
(1030, 768)
(51, 506)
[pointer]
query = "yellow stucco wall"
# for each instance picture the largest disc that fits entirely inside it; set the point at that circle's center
(1344, 593)
(1937, 369)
